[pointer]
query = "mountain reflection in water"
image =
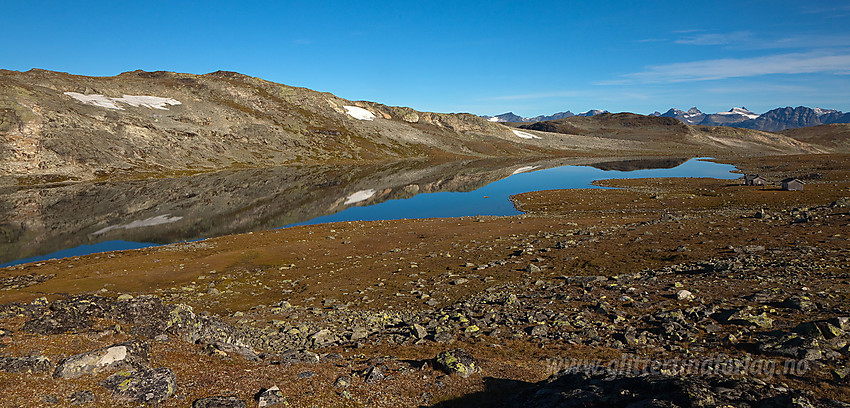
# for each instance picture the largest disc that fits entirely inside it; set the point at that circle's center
(83, 218)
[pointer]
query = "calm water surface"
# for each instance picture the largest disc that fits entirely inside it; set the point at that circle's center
(494, 198)
(362, 199)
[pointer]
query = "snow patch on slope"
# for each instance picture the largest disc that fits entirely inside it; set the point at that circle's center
(158, 220)
(525, 135)
(359, 196)
(740, 111)
(146, 101)
(359, 113)
(524, 169)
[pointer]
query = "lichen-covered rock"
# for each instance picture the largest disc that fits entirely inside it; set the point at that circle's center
(147, 314)
(219, 402)
(457, 361)
(373, 375)
(183, 322)
(121, 355)
(746, 317)
(269, 397)
(28, 364)
(145, 386)
(801, 303)
(71, 315)
(322, 338)
(81, 397)
(226, 350)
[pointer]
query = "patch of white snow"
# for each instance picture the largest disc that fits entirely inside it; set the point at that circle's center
(525, 135)
(152, 102)
(158, 220)
(95, 100)
(359, 196)
(357, 112)
(740, 111)
(524, 169)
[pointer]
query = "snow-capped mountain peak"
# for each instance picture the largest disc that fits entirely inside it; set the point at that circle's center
(821, 112)
(740, 111)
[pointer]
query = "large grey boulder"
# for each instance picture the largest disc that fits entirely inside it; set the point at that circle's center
(457, 361)
(121, 355)
(143, 386)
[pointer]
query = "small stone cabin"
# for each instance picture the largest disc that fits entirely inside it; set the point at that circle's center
(754, 180)
(792, 184)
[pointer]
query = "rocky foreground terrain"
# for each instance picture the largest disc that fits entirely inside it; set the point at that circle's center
(663, 293)
(56, 127)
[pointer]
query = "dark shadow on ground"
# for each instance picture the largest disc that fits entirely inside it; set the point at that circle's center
(497, 391)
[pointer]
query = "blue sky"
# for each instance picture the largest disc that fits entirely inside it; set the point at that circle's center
(489, 57)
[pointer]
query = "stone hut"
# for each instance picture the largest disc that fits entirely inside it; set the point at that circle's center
(792, 184)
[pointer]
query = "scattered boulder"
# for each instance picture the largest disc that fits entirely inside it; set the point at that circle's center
(227, 349)
(842, 323)
(532, 268)
(81, 397)
(342, 381)
(322, 338)
(539, 330)
(457, 361)
(306, 374)
(801, 303)
(419, 331)
(373, 375)
(230, 401)
(29, 364)
(132, 354)
(359, 333)
(444, 337)
(685, 295)
(142, 386)
(746, 317)
(269, 397)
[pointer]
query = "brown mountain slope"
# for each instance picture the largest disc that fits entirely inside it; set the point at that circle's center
(85, 127)
(55, 126)
(662, 133)
(836, 135)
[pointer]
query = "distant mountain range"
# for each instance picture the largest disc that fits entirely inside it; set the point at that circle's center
(772, 121)
(514, 118)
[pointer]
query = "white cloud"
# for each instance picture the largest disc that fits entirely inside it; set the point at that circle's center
(737, 37)
(793, 63)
